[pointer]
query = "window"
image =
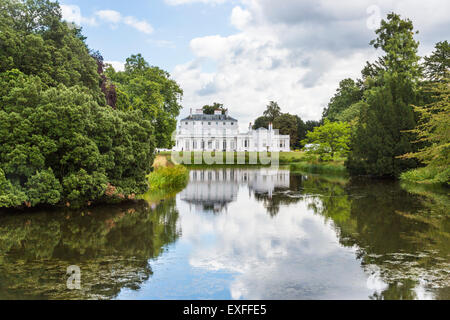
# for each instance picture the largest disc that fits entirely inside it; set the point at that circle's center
(209, 123)
(224, 123)
(186, 123)
(193, 123)
(232, 123)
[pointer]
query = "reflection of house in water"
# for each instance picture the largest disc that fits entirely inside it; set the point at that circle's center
(214, 189)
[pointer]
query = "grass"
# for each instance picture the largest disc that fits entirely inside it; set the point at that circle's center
(168, 178)
(334, 167)
(427, 175)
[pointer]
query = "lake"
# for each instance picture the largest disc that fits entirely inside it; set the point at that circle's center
(238, 233)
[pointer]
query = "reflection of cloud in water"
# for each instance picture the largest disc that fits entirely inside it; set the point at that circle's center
(291, 255)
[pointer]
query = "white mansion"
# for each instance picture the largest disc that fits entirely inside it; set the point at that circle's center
(220, 132)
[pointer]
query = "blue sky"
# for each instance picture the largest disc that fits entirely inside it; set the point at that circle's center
(245, 53)
(173, 28)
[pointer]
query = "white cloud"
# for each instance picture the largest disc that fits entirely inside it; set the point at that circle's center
(115, 17)
(72, 13)
(109, 15)
(240, 17)
(117, 65)
(140, 25)
(294, 53)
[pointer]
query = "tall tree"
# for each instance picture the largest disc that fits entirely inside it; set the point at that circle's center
(346, 95)
(437, 65)
(433, 133)
(380, 136)
(151, 90)
(273, 110)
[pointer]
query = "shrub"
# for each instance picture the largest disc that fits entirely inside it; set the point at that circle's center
(59, 145)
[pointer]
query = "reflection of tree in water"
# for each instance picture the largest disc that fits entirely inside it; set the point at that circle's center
(111, 245)
(280, 196)
(402, 236)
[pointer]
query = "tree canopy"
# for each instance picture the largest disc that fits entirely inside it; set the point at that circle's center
(329, 139)
(151, 90)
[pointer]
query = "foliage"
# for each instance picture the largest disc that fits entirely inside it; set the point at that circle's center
(427, 175)
(329, 139)
(380, 135)
(433, 131)
(152, 91)
(167, 178)
(207, 109)
(58, 145)
(346, 95)
(287, 124)
(437, 65)
(273, 111)
(34, 40)
(329, 167)
(261, 122)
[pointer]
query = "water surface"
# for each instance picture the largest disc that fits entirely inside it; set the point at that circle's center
(238, 234)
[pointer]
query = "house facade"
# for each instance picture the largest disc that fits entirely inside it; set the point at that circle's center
(220, 132)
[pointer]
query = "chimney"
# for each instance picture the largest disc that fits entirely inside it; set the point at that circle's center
(250, 127)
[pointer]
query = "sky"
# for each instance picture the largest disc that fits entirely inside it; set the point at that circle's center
(245, 53)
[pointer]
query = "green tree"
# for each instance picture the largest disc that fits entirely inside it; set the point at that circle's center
(433, 131)
(330, 139)
(379, 136)
(210, 109)
(34, 40)
(151, 90)
(346, 95)
(437, 65)
(261, 122)
(287, 125)
(273, 110)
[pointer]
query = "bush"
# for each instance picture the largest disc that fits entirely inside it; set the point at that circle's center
(59, 145)
(167, 178)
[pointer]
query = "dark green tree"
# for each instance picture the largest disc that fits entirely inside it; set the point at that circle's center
(346, 95)
(380, 136)
(261, 122)
(287, 125)
(273, 110)
(437, 65)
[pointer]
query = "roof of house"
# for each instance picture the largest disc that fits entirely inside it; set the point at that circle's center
(209, 117)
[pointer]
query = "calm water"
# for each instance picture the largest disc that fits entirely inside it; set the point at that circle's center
(239, 234)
